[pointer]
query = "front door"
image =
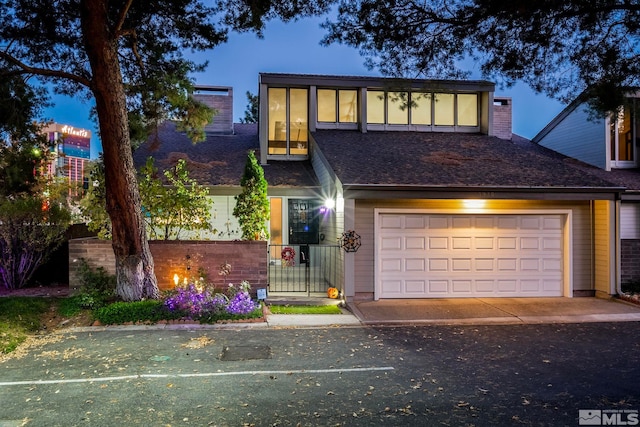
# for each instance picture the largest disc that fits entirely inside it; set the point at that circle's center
(304, 221)
(304, 225)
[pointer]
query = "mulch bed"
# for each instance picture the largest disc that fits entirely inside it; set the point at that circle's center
(632, 298)
(41, 291)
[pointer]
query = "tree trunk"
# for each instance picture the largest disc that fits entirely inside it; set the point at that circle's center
(134, 263)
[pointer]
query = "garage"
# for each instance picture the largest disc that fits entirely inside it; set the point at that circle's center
(434, 255)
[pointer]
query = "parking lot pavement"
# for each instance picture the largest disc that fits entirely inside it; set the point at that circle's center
(522, 374)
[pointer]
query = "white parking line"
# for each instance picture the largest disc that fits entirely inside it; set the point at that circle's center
(208, 374)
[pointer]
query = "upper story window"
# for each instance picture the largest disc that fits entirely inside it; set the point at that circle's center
(623, 138)
(422, 108)
(337, 105)
(288, 121)
(467, 109)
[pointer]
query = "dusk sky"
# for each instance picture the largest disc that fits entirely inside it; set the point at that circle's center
(295, 48)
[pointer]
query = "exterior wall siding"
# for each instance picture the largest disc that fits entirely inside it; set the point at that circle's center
(248, 260)
(221, 100)
(364, 263)
(580, 137)
(225, 224)
(630, 220)
(604, 248)
(332, 223)
(222, 219)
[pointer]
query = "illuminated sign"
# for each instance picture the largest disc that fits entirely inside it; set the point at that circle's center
(70, 130)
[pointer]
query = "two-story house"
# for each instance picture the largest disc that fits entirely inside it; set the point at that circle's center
(409, 177)
(610, 144)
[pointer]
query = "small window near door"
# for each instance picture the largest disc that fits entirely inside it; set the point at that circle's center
(275, 220)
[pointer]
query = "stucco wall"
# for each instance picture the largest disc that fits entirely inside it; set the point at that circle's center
(248, 260)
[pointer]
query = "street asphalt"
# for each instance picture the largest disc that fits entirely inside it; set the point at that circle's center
(532, 374)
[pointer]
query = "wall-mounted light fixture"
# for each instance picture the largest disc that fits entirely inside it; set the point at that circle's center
(327, 205)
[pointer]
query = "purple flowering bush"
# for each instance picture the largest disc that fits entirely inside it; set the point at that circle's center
(241, 304)
(200, 304)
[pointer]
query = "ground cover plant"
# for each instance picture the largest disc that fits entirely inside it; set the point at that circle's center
(305, 309)
(19, 317)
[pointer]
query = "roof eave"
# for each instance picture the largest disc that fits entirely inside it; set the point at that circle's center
(481, 192)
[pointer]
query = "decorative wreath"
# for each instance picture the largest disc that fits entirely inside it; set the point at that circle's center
(288, 255)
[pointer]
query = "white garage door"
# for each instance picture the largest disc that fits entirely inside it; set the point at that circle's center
(435, 255)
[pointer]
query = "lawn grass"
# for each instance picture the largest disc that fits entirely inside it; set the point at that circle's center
(305, 309)
(19, 317)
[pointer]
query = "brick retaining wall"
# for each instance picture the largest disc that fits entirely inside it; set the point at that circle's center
(248, 260)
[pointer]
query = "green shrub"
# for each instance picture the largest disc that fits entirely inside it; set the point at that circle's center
(148, 311)
(96, 286)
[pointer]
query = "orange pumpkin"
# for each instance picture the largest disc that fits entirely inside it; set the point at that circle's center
(333, 292)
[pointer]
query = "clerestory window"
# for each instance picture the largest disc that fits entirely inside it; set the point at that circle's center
(337, 105)
(422, 108)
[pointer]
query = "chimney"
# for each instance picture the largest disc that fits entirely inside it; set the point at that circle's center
(502, 117)
(220, 98)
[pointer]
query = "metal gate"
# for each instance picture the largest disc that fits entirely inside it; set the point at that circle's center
(304, 269)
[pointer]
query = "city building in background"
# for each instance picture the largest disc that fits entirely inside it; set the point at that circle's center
(71, 148)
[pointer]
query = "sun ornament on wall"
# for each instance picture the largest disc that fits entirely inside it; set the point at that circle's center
(350, 241)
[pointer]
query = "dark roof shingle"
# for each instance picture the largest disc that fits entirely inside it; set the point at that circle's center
(447, 160)
(220, 159)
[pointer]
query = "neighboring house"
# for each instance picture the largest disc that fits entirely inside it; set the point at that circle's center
(414, 169)
(610, 145)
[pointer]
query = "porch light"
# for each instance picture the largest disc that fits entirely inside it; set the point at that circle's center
(176, 279)
(329, 204)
